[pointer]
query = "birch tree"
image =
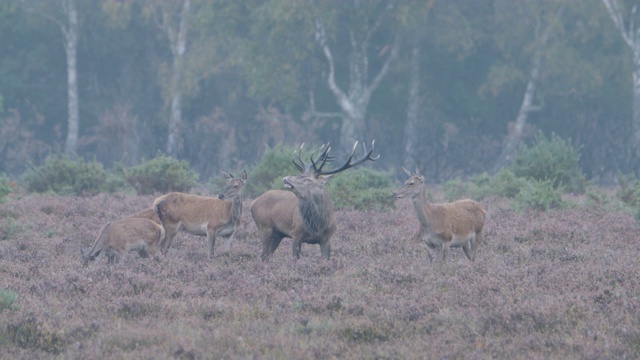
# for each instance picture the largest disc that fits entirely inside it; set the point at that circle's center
(353, 98)
(543, 28)
(630, 33)
(172, 18)
(65, 16)
(414, 15)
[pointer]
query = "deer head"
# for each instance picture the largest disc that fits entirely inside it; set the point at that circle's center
(313, 177)
(234, 186)
(412, 187)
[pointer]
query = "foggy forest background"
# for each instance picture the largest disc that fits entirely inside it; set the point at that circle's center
(453, 87)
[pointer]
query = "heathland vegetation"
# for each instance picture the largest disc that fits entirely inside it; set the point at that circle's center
(556, 274)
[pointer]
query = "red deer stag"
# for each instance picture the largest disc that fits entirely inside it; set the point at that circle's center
(201, 215)
(118, 237)
(444, 225)
(304, 214)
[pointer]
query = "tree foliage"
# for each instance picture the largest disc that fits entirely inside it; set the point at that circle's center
(249, 60)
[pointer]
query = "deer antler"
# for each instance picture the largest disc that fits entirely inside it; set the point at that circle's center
(322, 157)
(348, 164)
(300, 166)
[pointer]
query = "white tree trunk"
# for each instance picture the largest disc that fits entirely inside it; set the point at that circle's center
(70, 32)
(355, 101)
(413, 111)
(514, 138)
(178, 43)
(635, 125)
(515, 134)
(631, 36)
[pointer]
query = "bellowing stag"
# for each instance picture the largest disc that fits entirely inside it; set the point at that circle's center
(444, 225)
(202, 215)
(305, 213)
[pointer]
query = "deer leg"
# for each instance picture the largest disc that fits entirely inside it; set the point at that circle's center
(297, 246)
(474, 244)
(211, 241)
(429, 248)
(143, 253)
(228, 240)
(270, 242)
(112, 258)
(325, 249)
(445, 250)
(170, 233)
(468, 249)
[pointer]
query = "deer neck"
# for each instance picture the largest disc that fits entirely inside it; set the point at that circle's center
(236, 209)
(423, 208)
(316, 212)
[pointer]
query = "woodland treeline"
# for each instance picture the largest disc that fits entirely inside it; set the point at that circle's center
(453, 87)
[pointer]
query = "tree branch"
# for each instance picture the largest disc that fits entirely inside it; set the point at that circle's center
(385, 68)
(321, 38)
(618, 22)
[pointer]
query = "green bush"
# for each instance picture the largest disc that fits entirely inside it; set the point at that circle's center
(5, 188)
(66, 176)
(275, 164)
(9, 227)
(361, 189)
(629, 192)
(7, 300)
(456, 189)
(539, 195)
(504, 183)
(161, 174)
(551, 159)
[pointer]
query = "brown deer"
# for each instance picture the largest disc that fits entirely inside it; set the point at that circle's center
(305, 213)
(202, 215)
(118, 237)
(444, 225)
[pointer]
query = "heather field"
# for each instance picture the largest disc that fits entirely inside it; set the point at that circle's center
(562, 284)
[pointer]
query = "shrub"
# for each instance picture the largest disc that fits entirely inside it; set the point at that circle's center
(5, 188)
(504, 183)
(361, 189)
(456, 189)
(66, 176)
(550, 159)
(9, 227)
(31, 333)
(7, 300)
(268, 173)
(161, 174)
(539, 195)
(629, 192)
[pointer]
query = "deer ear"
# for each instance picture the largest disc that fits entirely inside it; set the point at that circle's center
(244, 175)
(418, 172)
(406, 171)
(227, 175)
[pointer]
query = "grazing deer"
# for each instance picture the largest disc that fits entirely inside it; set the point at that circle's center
(304, 214)
(202, 215)
(444, 225)
(118, 237)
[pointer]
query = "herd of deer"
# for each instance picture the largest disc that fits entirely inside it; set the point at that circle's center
(303, 213)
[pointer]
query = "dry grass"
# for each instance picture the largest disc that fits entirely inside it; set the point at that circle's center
(562, 284)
